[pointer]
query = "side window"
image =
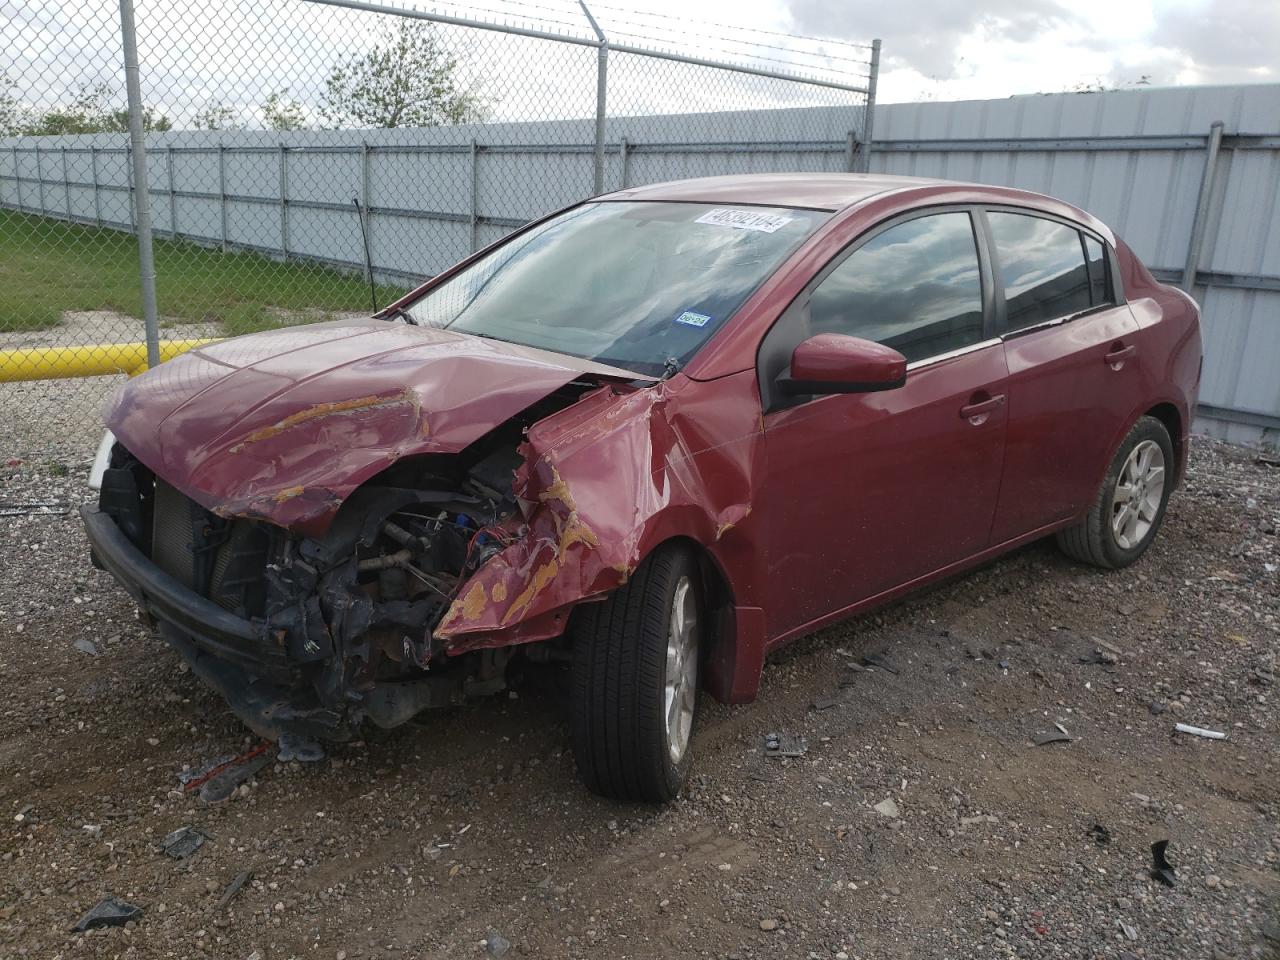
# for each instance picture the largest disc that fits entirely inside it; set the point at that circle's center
(915, 287)
(1041, 264)
(1099, 289)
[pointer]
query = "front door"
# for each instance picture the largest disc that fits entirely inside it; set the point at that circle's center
(867, 492)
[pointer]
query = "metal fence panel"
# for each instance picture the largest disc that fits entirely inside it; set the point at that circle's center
(276, 131)
(1136, 160)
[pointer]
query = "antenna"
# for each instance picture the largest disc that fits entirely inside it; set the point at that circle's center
(368, 263)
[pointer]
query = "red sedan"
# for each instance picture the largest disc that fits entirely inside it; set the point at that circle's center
(650, 437)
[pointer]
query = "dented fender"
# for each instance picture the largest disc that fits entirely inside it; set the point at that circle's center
(602, 484)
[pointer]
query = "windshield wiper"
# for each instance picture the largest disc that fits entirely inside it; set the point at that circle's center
(670, 367)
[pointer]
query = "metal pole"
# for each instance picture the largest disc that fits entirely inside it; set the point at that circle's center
(66, 186)
(142, 201)
(39, 180)
(97, 198)
(474, 196)
(602, 90)
(17, 179)
(851, 151)
(173, 196)
(222, 193)
(363, 212)
(1201, 220)
(868, 126)
(624, 161)
(284, 204)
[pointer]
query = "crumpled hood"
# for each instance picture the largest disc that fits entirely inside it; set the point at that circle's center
(284, 425)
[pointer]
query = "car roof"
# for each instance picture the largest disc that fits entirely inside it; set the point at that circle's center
(840, 191)
(820, 191)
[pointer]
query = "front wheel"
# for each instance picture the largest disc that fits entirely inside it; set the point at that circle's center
(635, 680)
(1130, 506)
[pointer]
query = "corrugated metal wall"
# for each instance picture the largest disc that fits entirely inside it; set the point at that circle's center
(1136, 159)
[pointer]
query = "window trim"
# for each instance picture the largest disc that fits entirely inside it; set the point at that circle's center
(1002, 330)
(987, 293)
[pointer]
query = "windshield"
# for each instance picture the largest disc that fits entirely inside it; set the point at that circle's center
(636, 285)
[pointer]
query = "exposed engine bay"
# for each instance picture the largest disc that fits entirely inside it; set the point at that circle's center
(344, 621)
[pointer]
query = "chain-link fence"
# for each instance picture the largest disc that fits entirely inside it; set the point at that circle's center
(305, 158)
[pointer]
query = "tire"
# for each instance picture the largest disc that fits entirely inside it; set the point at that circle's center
(1126, 515)
(620, 664)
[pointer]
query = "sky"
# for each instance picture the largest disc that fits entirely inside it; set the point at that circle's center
(959, 50)
(236, 52)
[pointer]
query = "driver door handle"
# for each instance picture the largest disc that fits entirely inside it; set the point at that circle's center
(976, 411)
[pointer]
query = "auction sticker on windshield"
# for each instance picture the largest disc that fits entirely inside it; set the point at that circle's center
(744, 219)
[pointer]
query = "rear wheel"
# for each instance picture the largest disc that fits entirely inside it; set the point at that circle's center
(635, 680)
(1130, 506)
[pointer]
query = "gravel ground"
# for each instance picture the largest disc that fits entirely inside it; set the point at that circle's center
(466, 832)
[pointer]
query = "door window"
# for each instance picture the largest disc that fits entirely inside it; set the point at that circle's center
(1042, 267)
(1099, 289)
(915, 287)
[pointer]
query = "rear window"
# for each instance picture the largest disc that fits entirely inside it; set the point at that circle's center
(1042, 268)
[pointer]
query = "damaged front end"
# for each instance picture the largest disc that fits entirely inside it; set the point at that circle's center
(312, 635)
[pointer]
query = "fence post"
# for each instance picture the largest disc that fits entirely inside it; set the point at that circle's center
(475, 189)
(364, 209)
(39, 180)
(222, 194)
(602, 90)
(173, 197)
(624, 160)
(142, 201)
(868, 126)
(66, 186)
(284, 204)
(1198, 225)
(93, 170)
(17, 179)
(851, 152)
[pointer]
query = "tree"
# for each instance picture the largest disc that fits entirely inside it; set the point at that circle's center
(282, 112)
(91, 111)
(408, 79)
(11, 112)
(216, 115)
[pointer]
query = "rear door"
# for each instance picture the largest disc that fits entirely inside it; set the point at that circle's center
(1073, 366)
(867, 492)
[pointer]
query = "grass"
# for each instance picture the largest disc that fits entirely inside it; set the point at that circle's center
(48, 267)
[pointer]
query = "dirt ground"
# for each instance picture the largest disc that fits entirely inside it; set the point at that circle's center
(468, 835)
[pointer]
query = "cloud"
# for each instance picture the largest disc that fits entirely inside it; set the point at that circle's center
(926, 36)
(1222, 33)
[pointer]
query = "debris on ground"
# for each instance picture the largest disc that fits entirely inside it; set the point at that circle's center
(233, 889)
(86, 646)
(888, 808)
(55, 508)
(880, 661)
(1051, 736)
(1161, 868)
(182, 843)
(1199, 731)
(108, 912)
(784, 745)
(495, 944)
(221, 782)
(1100, 834)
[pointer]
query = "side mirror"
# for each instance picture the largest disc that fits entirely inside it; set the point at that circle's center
(836, 363)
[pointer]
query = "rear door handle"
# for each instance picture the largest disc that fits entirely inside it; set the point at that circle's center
(1119, 354)
(977, 412)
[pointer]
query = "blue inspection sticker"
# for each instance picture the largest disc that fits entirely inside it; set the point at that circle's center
(691, 319)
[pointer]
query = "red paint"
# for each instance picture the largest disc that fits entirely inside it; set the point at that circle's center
(807, 513)
(834, 358)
